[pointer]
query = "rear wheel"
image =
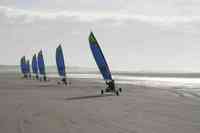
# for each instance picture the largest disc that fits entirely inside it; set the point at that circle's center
(120, 89)
(117, 93)
(65, 82)
(102, 92)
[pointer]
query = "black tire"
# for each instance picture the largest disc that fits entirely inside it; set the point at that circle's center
(117, 93)
(102, 92)
(65, 83)
(120, 89)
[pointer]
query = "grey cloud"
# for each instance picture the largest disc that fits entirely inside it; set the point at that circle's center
(29, 16)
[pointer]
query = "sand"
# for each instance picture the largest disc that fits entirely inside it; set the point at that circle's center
(28, 106)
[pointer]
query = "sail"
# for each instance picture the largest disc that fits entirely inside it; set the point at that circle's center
(60, 61)
(99, 58)
(34, 64)
(28, 66)
(41, 64)
(23, 65)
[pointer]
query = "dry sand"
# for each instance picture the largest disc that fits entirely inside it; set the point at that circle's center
(28, 106)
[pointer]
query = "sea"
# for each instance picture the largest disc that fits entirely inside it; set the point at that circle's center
(182, 83)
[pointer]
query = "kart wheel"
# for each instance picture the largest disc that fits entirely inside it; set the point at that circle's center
(117, 93)
(102, 92)
(65, 83)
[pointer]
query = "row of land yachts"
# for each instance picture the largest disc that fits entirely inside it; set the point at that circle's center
(39, 72)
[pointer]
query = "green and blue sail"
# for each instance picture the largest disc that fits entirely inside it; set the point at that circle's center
(99, 58)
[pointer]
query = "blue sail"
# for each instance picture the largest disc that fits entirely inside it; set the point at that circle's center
(23, 65)
(41, 64)
(28, 67)
(60, 61)
(99, 58)
(34, 64)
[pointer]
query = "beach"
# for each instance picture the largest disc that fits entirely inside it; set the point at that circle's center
(30, 106)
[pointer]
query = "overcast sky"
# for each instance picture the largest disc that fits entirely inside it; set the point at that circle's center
(150, 35)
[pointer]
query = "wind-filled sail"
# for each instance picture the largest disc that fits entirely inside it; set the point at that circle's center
(34, 64)
(41, 64)
(99, 58)
(60, 61)
(23, 65)
(28, 66)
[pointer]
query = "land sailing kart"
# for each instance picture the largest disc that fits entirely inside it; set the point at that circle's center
(103, 66)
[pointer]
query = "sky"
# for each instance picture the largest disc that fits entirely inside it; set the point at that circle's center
(135, 35)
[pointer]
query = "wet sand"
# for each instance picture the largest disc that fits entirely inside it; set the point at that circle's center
(29, 106)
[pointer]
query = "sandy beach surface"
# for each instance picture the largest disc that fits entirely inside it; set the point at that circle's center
(29, 106)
